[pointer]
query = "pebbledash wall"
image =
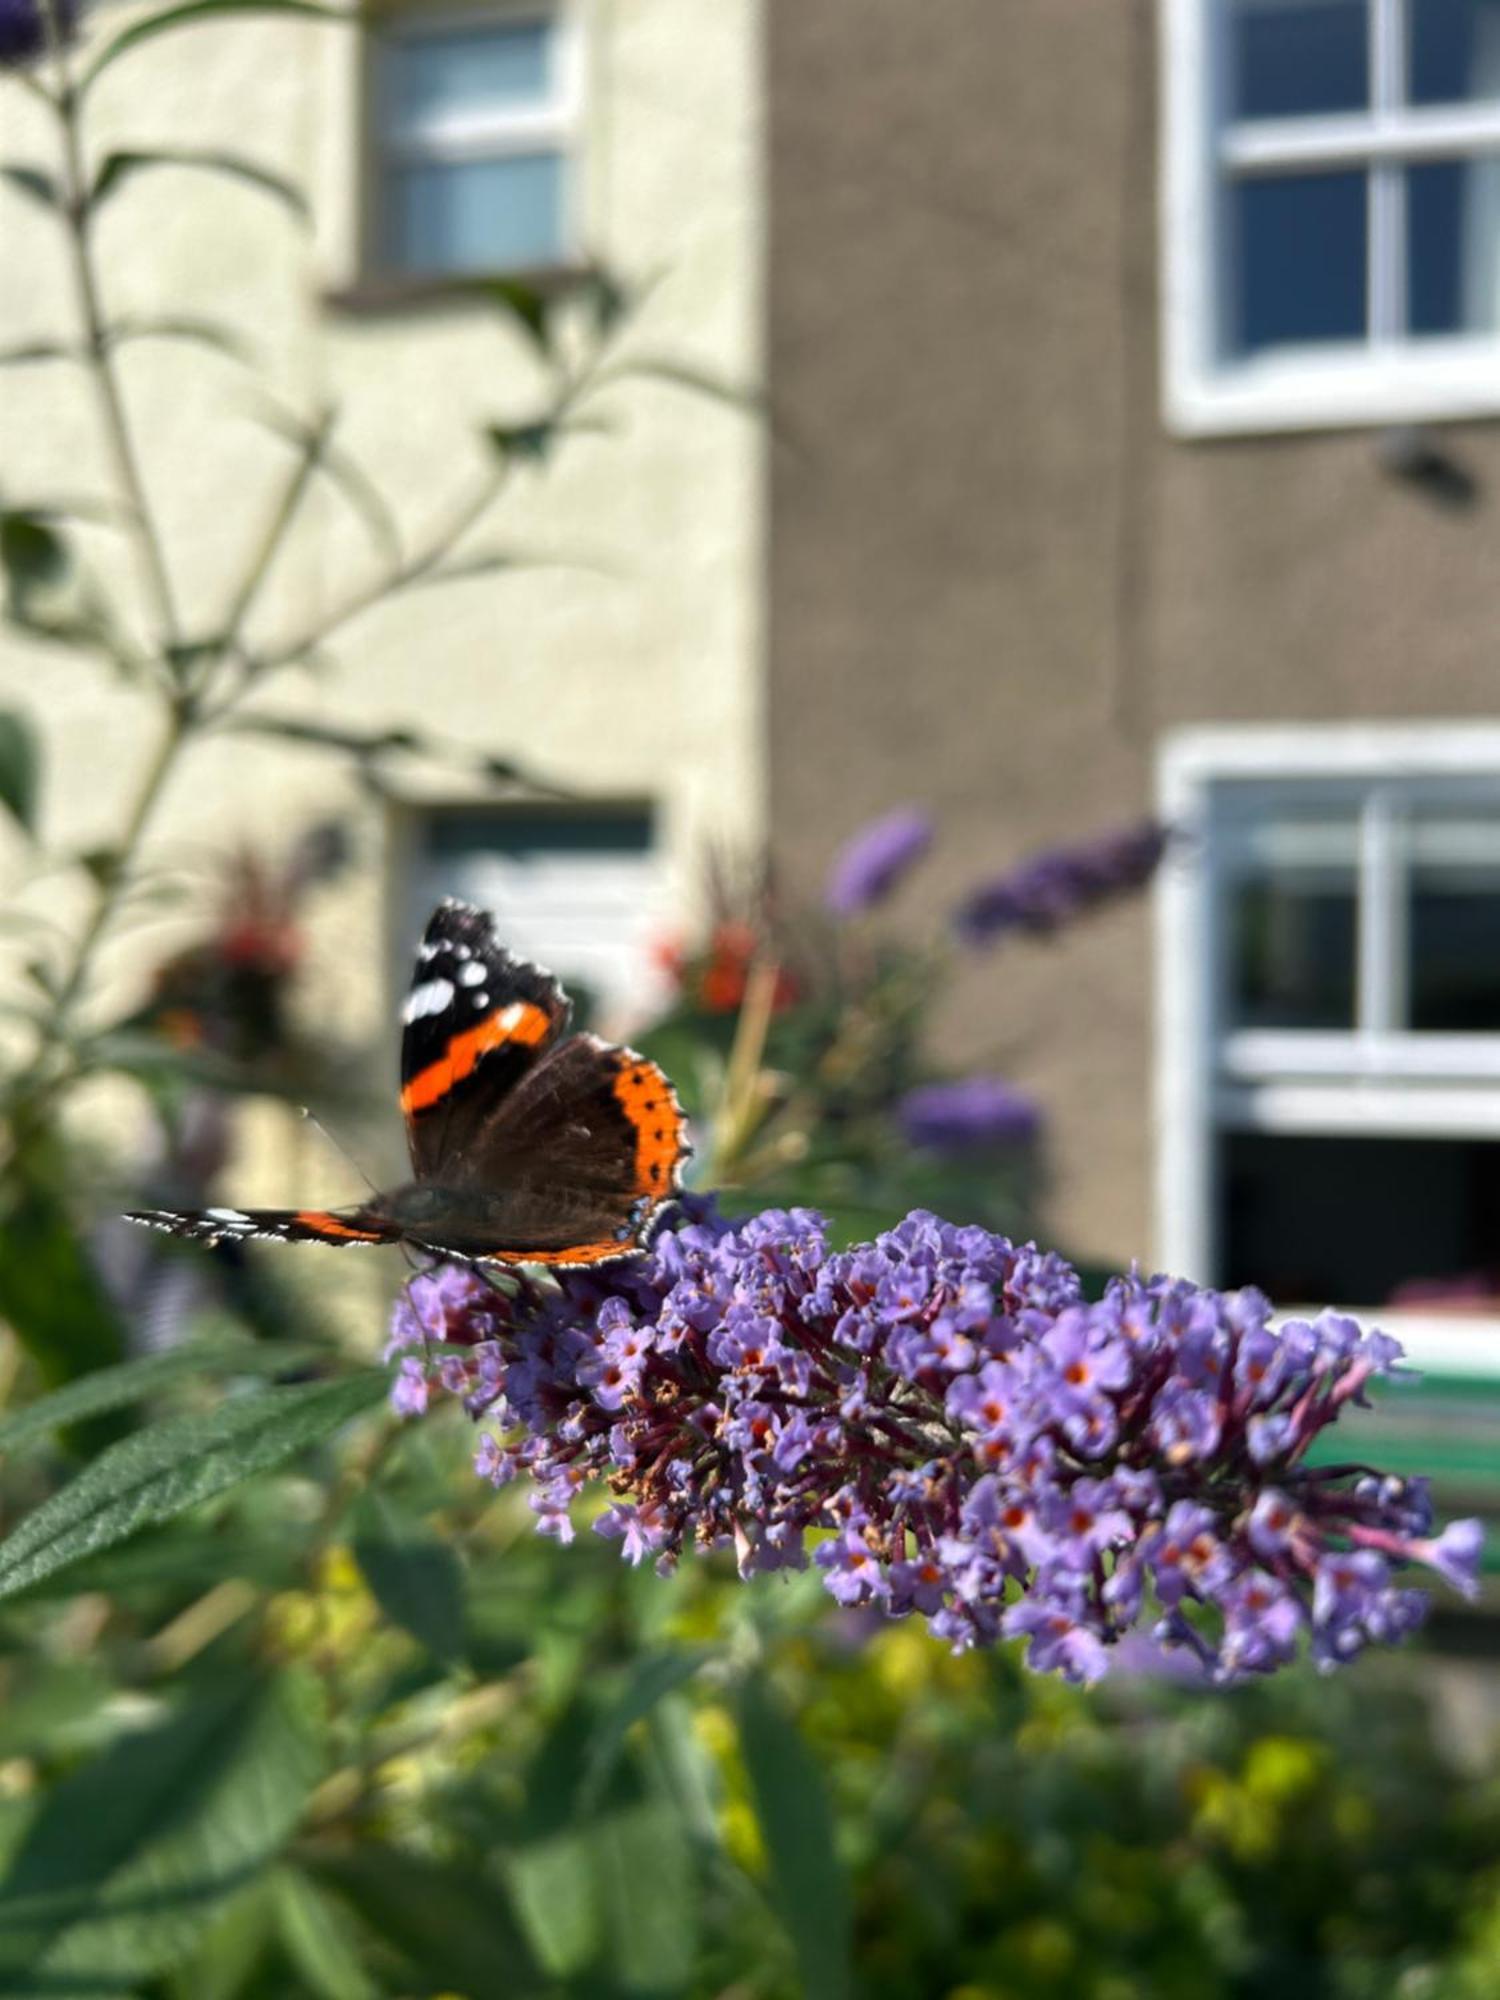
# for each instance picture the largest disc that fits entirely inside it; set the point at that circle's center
(1021, 548)
(631, 671)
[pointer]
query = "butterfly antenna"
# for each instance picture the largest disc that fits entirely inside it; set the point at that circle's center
(311, 1117)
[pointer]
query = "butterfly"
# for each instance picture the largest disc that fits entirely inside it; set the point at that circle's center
(529, 1145)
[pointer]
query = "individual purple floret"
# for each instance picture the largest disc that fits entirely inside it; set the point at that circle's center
(868, 867)
(1049, 889)
(961, 1436)
(973, 1111)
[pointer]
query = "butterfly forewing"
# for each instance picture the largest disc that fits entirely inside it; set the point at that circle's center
(475, 1022)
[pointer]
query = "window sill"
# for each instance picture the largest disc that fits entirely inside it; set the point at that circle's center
(385, 292)
(1440, 382)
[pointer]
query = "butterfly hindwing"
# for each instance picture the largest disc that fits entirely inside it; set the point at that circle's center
(475, 1022)
(576, 1160)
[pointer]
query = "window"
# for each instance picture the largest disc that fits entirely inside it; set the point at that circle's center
(476, 131)
(579, 889)
(1329, 1051)
(1332, 211)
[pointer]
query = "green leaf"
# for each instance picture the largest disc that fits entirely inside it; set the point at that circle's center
(649, 1680)
(535, 442)
(417, 1580)
(186, 326)
(129, 1857)
(201, 10)
(49, 1290)
(317, 1937)
(20, 759)
(231, 1950)
(33, 183)
(115, 1388)
(525, 304)
(649, 1899)
(314, 440)
(161, 1472)
(554, 1886)
(683, 375)
(807, 1883)
(450, 1924)
(119, 167)
(39, 350)
(326, 736)
(33, 554)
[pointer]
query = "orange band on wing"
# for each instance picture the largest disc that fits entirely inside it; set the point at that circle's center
(646, 1098)
(583, 1253)
(519, 1022)
(330, 1225)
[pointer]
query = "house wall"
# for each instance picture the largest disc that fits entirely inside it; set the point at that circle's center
(626, 662)
(995, 581)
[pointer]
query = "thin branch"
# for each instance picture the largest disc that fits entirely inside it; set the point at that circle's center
(400, 577)
(153, 564)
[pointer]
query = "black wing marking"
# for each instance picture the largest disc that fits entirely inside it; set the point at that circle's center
(342, 1228)
(472, 1008)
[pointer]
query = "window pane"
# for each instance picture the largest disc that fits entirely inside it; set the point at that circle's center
(1292, 908)
(1453, 246)
(1453, 921)
(1289, 57)
(472, 70)
(478, 215)
(1360, 1221)
(583, 892)
(1297, 261)
(1453, 50)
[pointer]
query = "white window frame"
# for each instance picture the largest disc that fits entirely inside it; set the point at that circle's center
(1392, 378)
(555, 126)
(1366, 1081)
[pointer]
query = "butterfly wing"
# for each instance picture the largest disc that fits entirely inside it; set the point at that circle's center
(572, 1165)
(341, 1227)
(476, 1021)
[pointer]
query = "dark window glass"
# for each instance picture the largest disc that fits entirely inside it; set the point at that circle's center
(1313, 1221)
(1297, 260)
(1453, 922)
(1292, 57)
(1453, 246)
(1453, 50)
(1292, 922)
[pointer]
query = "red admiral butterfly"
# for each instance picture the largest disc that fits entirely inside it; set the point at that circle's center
(528, 1145)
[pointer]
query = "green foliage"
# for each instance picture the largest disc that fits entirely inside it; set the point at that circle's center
(172, 1466)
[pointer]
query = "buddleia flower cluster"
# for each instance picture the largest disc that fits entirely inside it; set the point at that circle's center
(942, 1424)
(1050, 889)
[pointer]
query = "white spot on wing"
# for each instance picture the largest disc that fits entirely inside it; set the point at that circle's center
(510, 1017)
(431, 997)
(227, 1214)
(481, 999)
(471, 974)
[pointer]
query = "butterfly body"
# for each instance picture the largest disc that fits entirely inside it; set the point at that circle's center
(528, 1144)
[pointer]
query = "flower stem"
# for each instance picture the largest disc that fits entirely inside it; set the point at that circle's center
(151, 556)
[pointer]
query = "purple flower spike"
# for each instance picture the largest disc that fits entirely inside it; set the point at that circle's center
(1049, 889)
(975, 1111)
(957, 1434)
(868, 867)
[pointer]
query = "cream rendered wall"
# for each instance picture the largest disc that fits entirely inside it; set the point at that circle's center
(637, 672)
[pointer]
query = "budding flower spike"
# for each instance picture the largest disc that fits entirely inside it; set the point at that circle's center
(949, 1430)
